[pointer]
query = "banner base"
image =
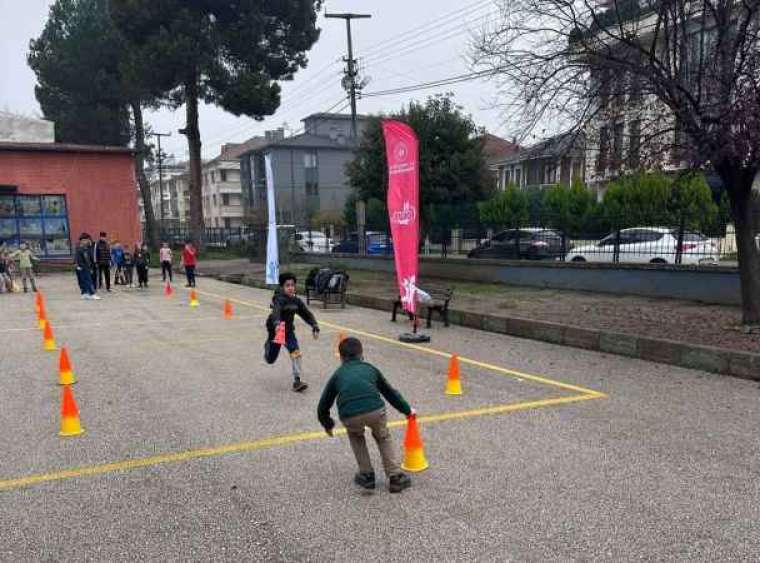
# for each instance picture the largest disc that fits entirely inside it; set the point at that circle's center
(414, 338)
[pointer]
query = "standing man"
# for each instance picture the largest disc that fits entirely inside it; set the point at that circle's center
(103, 261)
(83, 260)
(189, 260)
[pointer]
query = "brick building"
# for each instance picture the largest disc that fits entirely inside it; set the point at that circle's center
(51, 192)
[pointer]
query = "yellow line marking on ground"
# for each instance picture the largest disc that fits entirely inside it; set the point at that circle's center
(433, 351)
(276, 441)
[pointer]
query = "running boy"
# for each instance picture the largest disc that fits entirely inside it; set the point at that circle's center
(359, 388)
(285, 306)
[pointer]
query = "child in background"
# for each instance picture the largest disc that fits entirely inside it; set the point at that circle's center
(285, 306)
(128, 267)
(165, 255)
(359, 388)
(24, 256)
(189, 261)
(117, 260)
(141, 265)
(5, 279)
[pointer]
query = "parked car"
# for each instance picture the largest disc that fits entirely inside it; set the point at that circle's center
(529, 243)
(655, 245)
(377, 244)
(313, 241)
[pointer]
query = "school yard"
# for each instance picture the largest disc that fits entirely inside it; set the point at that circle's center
(195, 449)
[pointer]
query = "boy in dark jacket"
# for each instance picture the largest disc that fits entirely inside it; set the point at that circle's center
(128, 266)
(103, 261)
(359, 388)
(141, 265)
(83, 260)
(285, 306)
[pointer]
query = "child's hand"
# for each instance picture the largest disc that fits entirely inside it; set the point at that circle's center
(413, 412)
(315, 332)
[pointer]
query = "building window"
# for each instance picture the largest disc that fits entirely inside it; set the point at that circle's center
(214, 199)
(222, 175)
(507, 177)
(604, 147)
(518, 178)
(225, 199)
(634, 144)
(40, 221)
(227, 223)
(617, 146)
(311, 173)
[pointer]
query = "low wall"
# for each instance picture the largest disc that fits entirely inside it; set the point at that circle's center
(709, 284)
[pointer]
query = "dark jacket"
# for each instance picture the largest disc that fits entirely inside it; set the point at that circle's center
(285, 308)
(359, 388)
(83, 258)
(141, 259)
(128, 261)
(102, 253)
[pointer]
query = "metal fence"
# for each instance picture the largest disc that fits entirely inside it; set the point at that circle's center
(540, 239)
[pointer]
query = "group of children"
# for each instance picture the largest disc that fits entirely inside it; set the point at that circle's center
(94, 261)
(13, 262)
(357, 386)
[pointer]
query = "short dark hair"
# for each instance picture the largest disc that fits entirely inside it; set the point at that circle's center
(102, 233)
(285, 277)
(350, 349)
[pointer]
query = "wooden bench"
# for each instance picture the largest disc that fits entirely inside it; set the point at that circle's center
(329, 295)
(441, 297)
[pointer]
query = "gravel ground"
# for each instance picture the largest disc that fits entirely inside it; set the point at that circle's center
(685, 321)
(663, 468)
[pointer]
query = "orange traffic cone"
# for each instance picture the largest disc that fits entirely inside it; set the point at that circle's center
(227, 309)
(41, 316)
(70, 424)
(340, 337)
(414, 451)
(279, 335)
(48, 340)
(37, 301)
(168, 291)
(193, 298)
(65, 373)
(453, 383)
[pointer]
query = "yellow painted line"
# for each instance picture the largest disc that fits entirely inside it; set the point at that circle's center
(490, 367)
(276, 441)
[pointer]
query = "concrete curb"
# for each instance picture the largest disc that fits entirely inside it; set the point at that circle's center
(745, 365)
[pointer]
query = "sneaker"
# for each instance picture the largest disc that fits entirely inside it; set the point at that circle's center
(85, 296)
(95, 298)
(299, 385)
(365, 480)
(399, 482)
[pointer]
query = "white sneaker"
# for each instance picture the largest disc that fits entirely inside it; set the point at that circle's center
(85, 296)
(95, 297)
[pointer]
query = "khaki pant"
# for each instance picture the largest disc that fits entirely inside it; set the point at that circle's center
(28, 274)
(377, 422)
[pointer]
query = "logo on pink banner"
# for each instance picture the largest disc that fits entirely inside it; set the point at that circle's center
(402, 154)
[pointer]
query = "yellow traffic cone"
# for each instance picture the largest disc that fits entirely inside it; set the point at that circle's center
(193, 298)
(414, 450)
(48, 341)
(65, 373)
(70, 424)
(453, 383)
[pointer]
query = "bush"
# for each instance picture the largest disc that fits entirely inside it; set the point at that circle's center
(509, 207)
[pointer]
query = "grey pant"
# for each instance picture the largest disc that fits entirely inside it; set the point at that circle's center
(377, 422)
(28, 274)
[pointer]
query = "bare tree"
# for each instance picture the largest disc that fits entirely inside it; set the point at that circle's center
(678, 80)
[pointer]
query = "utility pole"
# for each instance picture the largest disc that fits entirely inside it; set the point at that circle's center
(161, 177)
(351, 63)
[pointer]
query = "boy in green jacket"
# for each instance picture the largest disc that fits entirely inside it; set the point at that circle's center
(24, 256)
(359, 388)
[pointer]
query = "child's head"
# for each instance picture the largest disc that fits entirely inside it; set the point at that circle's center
(351, 349)
(288, 283)
(22, 246)
(165, 244)
(103, 235)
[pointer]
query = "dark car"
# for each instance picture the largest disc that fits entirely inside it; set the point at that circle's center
(521, 244)
(377, 244)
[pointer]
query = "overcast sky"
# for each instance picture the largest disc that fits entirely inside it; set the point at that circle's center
(404, 43)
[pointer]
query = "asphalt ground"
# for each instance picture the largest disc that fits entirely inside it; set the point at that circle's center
(195, 449)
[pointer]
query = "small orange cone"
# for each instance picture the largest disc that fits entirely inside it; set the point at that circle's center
(37, 301)
(453, 383)
(41, 316)
(193, 298)
(414, 450)
(168, 291)
(65, 373)
(49, 340)
(227, 309)
(279, 335)
(70, 424)
(340, 337)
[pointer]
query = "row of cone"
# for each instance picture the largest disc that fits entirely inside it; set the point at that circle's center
(227, 309)
(70, 422)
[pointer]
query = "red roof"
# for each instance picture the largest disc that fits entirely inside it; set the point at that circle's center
(496, 148)
(62, 147)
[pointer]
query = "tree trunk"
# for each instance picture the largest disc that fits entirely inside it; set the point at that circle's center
(740, 195)
(142, 180)
(194, 147)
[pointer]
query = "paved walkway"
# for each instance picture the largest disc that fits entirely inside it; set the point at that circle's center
(195, 449)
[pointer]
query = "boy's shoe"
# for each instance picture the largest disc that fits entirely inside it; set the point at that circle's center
(299, 385)
(365, 480)
(85, 296)
(399, 482)
(95, 297)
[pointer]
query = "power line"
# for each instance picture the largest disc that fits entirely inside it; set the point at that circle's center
(434, 83)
